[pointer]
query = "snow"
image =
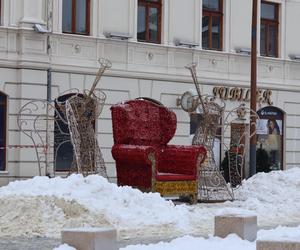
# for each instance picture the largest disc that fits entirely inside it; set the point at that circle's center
(231, 242)
(64, 247)
(43, 207)
(281, 234)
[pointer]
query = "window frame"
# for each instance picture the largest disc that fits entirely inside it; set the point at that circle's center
(87, 19)
(4, 104)
(210, 13)
(149, 4)
(270, 22)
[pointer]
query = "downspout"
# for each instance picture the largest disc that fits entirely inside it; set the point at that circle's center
(49, 171)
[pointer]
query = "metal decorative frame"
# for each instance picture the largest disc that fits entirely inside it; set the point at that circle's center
(236, 157)
(212, 185)
(38, 119)
(81, 111)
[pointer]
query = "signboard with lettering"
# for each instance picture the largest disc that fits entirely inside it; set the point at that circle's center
(242, 94)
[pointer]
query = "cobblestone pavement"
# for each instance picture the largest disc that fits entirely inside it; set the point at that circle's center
(28, 243)
(49, 243)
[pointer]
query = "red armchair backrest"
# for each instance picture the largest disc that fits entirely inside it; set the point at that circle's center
(142, 122)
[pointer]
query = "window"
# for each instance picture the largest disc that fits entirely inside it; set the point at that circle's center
(212, 24)
(3, 110)
(76, 17)
(149, 21)
(63, 147)
(269, 29)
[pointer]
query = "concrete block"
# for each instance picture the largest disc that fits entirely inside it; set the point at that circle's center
(244, 226)
(90, 238)
(277, 245)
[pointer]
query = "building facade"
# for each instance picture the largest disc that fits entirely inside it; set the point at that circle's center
(148, 42)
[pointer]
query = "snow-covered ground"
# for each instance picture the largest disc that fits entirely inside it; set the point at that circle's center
(43, 206)
(231, 242)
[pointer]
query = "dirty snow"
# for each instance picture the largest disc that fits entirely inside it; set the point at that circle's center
(43, 206)
(231, 242)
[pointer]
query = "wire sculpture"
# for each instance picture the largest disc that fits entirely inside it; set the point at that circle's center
(236, 147)
(212, 185)
(39, 120)
(36, 120)
(81, 112)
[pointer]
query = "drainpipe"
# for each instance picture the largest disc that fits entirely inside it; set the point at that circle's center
(49, 171)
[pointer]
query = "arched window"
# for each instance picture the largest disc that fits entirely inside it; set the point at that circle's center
(63, 148)
(3, 120)
(149, 21)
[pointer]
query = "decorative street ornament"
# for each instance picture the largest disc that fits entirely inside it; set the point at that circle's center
(38, 120)
(81, 112)
(212, 185)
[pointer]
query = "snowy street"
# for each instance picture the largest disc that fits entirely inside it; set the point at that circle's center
(42, 207)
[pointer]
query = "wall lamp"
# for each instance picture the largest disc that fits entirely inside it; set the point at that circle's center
(295, 57)
(40, 29)
(243, 51)
(117, 36)
(185, 44)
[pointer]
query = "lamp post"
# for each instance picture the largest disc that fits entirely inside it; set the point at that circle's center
(253, 89)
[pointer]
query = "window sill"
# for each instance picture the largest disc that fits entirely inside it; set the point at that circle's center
(270, 58)
(4, 173)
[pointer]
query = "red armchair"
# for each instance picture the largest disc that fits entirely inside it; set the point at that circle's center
(141, 130)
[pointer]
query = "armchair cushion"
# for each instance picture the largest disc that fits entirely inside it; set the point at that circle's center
(132, 153)
(179, 159)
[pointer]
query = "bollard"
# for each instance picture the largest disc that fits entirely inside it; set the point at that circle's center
(90, 238)
(244, 226)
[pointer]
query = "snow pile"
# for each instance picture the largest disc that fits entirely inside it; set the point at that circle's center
(43, 206)
(274, 196)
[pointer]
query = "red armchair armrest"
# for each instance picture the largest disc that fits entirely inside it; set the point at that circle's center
(132, 153)
(180, 159)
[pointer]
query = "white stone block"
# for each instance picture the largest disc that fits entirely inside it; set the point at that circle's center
(245, 226)
(277, 245)
(90, 238)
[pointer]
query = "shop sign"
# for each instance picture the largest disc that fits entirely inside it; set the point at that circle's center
(242, 94)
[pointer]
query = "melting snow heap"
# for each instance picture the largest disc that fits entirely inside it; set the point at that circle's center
(43, 206)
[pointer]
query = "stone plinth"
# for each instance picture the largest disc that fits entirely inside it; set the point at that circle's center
(90, 238)
(244, 226)
(277, 245)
